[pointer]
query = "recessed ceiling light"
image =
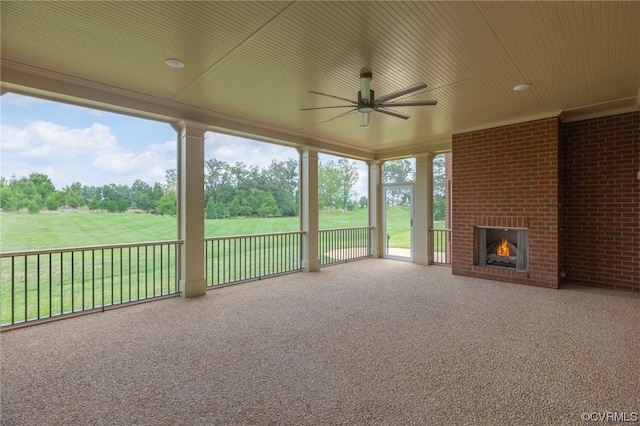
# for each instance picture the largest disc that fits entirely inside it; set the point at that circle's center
(522, 87)
(174, 63)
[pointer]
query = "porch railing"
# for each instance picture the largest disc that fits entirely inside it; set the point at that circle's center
(441, 238)
(40, 284)
(344, 244)
(246, 257)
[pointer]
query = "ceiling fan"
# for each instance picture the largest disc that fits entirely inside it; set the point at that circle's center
(368, 103)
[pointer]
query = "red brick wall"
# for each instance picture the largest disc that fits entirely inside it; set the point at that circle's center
(601, 201)
(508, 176)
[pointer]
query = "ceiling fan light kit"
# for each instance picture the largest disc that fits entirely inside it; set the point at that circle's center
(367, 102)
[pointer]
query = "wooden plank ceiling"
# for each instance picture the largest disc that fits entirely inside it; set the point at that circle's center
(250, 65)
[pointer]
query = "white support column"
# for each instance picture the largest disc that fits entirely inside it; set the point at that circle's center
(375, 207)
(423, 210)
(309, 209)
(191, 208)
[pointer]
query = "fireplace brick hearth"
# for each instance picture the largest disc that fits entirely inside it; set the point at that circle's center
(508, 177)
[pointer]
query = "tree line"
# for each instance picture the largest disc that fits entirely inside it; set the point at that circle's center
(231, 190)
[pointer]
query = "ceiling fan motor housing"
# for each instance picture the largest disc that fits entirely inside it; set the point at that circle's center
(364, 106)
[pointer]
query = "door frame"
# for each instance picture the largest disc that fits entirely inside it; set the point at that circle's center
(392, 186)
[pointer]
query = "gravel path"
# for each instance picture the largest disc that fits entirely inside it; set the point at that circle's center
(367, 342)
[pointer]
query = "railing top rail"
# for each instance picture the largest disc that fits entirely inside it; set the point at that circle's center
(350, 227)
(227, 237)
(86, 248)
(441, 229)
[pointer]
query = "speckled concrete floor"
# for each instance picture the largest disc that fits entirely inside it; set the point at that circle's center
(368, 342)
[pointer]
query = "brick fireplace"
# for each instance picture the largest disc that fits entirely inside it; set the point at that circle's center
(574, 188)
(508, 178)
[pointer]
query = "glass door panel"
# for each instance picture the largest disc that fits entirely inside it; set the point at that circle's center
(398, 222)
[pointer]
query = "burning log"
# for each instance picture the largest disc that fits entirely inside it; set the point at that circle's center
(503, 248)
(502, 253)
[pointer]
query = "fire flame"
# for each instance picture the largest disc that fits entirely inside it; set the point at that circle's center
(503, 248)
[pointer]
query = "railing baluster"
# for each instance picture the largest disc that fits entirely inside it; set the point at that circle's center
(38, 283)
(61, 284)
(72, 281)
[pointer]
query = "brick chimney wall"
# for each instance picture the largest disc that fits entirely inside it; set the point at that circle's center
(601, 201)
(508, 177)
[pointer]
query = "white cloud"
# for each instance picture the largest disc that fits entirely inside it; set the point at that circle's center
(91, 155)
(231, 149)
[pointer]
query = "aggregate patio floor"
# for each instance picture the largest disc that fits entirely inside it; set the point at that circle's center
(367, 342)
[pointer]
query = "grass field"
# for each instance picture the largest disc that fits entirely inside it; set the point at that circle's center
(40, 231)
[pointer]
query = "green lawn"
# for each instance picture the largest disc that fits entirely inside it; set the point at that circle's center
(38, 231)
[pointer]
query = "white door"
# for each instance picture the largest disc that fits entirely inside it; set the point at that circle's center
(398, 222)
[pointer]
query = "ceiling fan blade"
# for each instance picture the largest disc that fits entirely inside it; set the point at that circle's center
(344, 114)
(335, 97)
(402, 92)
(414, 103)
(327, 107)
(395, 114)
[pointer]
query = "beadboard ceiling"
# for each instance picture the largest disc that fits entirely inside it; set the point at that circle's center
(249, 65)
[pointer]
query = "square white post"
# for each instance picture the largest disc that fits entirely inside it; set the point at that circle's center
(309, 209)
(191, 208)
(423, 210)
(375, 206)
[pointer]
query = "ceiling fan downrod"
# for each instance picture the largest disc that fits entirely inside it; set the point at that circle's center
(365, 95)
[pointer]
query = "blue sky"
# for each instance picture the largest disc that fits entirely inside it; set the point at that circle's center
(73, 144)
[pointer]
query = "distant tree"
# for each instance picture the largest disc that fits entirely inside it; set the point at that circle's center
(167, 205)
(95, 204)
(91, 195)
(33, 207)
(43, 184)
(398, 171)
(210, 209)
(335, 184)
(281, 180)
(438, 187)
(216, 175)
(6, 194)
(73, 195)
(348, 176)
(25, 194)
(364, 201)
(122, 205)
(171, 180)
(144, 202)
(266, 205)
(157, 192)
(54, 201)
(142, 195)
(113, 192)
(329, 185)
(111, 206)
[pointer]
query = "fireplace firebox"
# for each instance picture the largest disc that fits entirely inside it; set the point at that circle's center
(501, 247)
